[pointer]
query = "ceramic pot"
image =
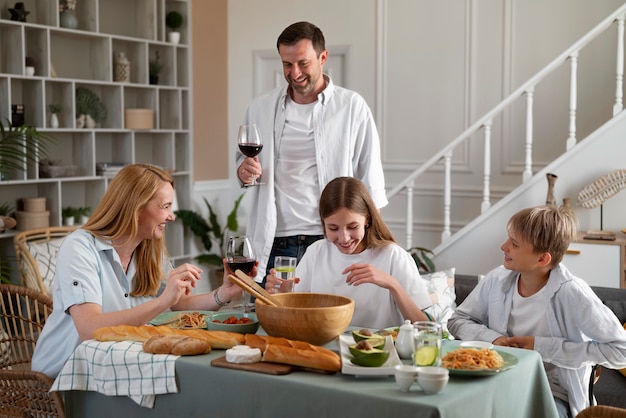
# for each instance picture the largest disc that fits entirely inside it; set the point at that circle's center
(54, 121)
(68, 20)
(174, 37)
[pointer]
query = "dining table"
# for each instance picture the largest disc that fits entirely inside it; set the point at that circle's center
(204, 390)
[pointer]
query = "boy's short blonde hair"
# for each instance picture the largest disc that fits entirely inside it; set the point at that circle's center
(547, 228)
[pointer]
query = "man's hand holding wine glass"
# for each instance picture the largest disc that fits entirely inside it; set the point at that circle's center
(250, 145)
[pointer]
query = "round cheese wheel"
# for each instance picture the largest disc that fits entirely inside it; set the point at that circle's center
(243, 354)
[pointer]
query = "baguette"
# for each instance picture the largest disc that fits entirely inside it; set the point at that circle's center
(175, 344)
(216, 339)
(295, 353)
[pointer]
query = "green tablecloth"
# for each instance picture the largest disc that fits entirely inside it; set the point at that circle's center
(522, 391)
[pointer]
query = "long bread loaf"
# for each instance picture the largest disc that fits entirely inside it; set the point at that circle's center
(174, 344)
(295, 353)
(216, 339)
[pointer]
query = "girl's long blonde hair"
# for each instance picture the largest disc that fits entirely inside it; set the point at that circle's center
(117, 216)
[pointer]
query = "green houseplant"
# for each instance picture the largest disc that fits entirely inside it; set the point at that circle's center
(20, 145)
(174, 21)
(155, 66)
(210, 231)
(423, 260)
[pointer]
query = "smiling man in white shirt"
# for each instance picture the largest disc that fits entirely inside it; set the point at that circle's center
(313, 132)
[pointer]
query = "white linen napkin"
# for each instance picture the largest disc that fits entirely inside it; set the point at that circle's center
(118, 369)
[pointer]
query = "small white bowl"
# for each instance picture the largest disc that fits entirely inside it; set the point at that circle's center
(477, 344)
(405, 376)
(432, 379)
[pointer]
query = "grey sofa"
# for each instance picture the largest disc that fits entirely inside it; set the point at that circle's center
(611, 387)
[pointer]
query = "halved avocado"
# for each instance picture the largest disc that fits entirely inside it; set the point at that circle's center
(365, 334)
(365, 346)
(371, 358)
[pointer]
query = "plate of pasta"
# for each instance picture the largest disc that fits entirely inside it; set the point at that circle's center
(474, 361)
(184, 319)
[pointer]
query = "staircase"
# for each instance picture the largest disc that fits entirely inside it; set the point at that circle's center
(474, 248)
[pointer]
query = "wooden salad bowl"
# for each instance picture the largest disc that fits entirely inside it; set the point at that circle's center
(317, 318)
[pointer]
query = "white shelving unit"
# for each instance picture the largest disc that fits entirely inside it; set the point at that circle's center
(66, 59)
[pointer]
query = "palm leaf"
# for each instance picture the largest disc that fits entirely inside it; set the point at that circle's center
(20, 145)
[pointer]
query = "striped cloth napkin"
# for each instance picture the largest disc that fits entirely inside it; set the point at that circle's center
(118, 369)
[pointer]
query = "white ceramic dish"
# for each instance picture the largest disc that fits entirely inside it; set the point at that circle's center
(477, 344)
(387, 369)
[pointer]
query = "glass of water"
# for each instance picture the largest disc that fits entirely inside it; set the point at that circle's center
(427, 343)
(285, 268)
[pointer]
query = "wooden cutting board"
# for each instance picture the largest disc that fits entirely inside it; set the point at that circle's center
(260, 367)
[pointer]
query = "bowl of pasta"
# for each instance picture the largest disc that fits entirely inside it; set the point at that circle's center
(243, 323)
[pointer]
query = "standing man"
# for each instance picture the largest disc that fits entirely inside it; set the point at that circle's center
(312, 132)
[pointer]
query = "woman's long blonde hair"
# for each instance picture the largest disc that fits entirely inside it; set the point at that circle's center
(117, 216)
(350, 193)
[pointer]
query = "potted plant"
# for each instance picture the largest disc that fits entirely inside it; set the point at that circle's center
(89, 108)
(83, 214)
(422, 257)
(69, 214)
(174, 21)
(19, 146)
(29, 64)
(211, 233)
(154, 68)
(54, 119)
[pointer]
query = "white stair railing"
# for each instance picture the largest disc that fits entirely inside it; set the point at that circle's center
(484, 124)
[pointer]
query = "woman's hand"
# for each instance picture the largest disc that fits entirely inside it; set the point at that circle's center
(366, 273)
(230, 289)
(180, 283)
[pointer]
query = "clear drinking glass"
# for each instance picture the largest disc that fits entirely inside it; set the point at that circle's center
(427, 343)
(285, 268)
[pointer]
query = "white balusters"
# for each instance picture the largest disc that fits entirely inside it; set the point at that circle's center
(619, 73)
(409, 214)
(447, 195)
(486, 204)
(571, 140)
(528, 146)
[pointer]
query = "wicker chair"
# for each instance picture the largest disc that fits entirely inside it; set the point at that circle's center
(24, 392)
(602, 411)
(36, 252)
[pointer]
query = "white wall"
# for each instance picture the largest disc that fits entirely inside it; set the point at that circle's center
(428, 70)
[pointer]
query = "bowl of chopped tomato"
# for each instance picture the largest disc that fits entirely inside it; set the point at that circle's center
(243, 323)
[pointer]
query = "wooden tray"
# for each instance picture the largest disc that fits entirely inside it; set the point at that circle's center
(260, 367)
(263, 367)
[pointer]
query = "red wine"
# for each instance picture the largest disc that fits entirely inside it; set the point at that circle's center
(244, 264)
(250, 149)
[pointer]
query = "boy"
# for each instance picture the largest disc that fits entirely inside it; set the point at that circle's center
(532, 301)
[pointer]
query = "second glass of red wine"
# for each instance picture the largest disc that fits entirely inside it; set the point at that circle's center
(240, 256)
(250, 144)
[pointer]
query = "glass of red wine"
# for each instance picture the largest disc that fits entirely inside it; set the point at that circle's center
(250, 144)
(240, 256)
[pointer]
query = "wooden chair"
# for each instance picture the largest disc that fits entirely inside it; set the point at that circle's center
(24, 392)
(36, 252)
(602, 411)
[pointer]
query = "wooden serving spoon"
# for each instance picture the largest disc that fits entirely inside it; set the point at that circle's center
(242, 280)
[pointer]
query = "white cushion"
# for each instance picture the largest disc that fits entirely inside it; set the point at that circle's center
(440, 287)
(45, 253)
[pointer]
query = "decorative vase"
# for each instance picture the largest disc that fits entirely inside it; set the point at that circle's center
(54, 121)
(68, 20)
(550, 199)
(122, 68)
